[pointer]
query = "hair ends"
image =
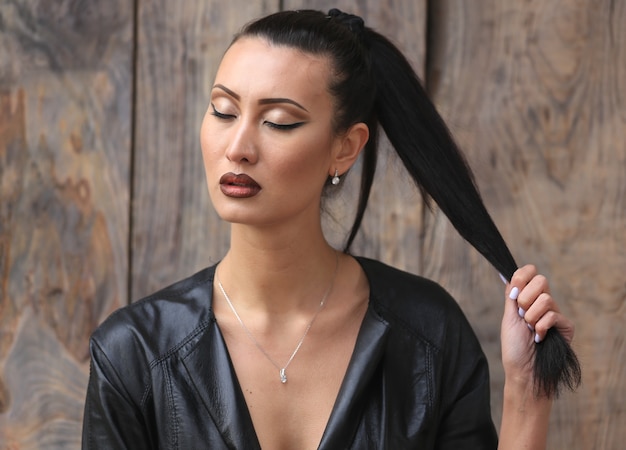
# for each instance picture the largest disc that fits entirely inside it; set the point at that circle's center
(556, 366)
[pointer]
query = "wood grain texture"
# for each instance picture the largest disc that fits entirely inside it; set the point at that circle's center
(64, 158)
(175, 229)
(47, 385)
(536, 93)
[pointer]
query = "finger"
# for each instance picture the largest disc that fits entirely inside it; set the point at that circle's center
(528, 294)
(542, 305)
(522, 276)
(510, 305)
(511, 318)
(557, 320)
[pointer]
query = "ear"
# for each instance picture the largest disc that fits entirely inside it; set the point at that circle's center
(348, 148)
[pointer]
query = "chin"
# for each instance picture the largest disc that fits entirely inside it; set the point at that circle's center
(238, 214)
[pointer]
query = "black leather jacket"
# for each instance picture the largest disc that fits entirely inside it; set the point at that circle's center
(161, 376)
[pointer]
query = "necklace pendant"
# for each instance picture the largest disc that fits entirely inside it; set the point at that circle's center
(283, 376)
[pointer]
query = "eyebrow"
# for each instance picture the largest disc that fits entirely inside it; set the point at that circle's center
(263, 101)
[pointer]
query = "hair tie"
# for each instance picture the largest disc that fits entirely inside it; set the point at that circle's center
(354, 23)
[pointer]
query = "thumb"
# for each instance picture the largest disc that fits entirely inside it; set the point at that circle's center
(511, 310)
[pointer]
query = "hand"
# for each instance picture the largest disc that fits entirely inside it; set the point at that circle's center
(526, 322)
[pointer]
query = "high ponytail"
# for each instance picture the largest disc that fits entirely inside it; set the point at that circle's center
(424, 144)
(374, 83)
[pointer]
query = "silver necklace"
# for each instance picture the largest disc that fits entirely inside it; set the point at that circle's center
(281, 370)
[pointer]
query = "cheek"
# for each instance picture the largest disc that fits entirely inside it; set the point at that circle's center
(209, 143)
(309, 160)
(204, 140)
(210, 159)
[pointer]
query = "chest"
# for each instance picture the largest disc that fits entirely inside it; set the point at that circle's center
(293, 414)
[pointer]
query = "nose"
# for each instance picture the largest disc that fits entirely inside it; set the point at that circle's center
(242, 147)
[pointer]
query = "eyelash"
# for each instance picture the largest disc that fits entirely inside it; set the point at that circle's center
(283, 127)
(276, 126)
(220, 115)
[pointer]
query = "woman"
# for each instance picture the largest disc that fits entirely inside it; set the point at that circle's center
(288, 343)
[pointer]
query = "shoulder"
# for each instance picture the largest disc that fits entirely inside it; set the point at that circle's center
(156, 326)
(419, 305)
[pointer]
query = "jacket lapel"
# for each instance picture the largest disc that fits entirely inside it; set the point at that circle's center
(346, 414)
(210, 369)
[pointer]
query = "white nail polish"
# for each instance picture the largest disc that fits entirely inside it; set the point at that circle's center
(537, 338)
(521, 312)
(514, 293)
(530, 327)
(504, 280)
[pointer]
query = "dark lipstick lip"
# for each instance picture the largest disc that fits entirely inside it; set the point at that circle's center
(240, 179)
(239, 185)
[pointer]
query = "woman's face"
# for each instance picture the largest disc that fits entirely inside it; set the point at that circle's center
(267, 137)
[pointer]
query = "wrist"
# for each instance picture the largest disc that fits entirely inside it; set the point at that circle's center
(525, 417)
(521, 397)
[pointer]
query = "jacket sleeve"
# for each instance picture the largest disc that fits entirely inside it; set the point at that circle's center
(465, 416)
(112, 419)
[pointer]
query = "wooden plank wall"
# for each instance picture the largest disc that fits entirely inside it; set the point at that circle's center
(65, 143)
(536, 92)
(103, 199)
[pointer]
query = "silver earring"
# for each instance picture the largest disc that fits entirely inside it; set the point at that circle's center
(335, 179)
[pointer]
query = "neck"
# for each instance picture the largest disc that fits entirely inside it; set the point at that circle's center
(277, 272)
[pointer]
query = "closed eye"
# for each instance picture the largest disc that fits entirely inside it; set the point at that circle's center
(284, 127)
(220, 115)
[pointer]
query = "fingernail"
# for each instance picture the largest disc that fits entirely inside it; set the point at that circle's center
(530, 327)
(514, 293)
(521, 312)
(504, 280)
(537, 338)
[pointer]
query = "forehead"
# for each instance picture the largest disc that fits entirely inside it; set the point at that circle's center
(254, 67)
